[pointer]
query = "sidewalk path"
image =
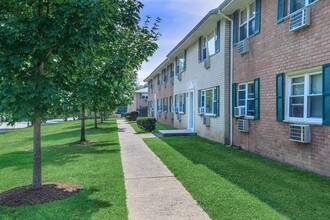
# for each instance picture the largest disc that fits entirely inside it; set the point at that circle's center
(151, 189)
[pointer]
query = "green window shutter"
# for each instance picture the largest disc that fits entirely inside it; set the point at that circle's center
(217, 102)
(217, 42)
(185, 60)
(280, 10)
(257, 99)
(200, 49)
(235, 21)
(199, 99)
(280, 97)
(176, 66)
(326, 94)
(258, 16)
(184, 103)
(234, 98)
(175, 98)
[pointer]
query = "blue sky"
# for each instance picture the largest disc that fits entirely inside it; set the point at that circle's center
(178, 18)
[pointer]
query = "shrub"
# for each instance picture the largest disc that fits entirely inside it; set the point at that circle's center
(146, 123)
(131, 116)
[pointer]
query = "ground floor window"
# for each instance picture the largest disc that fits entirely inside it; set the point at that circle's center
(165, 103)
(208, 101)
(246, 98)
(179, 103)
(304, 101)
(159, 105)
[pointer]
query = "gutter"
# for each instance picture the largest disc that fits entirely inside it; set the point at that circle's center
(231, 74)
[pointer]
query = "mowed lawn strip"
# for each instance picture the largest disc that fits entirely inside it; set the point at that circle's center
(233, 184)
(96, 166)
(159, 126)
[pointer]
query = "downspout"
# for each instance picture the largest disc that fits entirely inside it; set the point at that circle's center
(231, 76)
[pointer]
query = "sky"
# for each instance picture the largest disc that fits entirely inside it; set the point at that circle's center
(179, 17)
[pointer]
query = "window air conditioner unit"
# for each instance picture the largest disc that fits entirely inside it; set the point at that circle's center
(207, 121)
(300, 19)
(243, 125)
(243, 47)
(300, 133)
(239, 111)
(207, 62)
(178, 116)
(201, 110)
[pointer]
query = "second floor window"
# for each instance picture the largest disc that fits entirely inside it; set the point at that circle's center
(165, 103)
(172, 70)
(295, 5)
(247, 24)
(180, 63)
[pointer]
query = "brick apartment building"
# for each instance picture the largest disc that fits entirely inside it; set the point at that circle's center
(140, 101)
(281, 80)
(160, 96)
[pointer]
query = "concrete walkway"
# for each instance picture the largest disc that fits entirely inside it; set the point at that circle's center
(152, 190)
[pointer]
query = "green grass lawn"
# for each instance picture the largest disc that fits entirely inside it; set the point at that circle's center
(96, 166)
(159, 126)
(233, 184)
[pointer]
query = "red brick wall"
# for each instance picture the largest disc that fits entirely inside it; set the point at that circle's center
(277, 50)
(163, 92)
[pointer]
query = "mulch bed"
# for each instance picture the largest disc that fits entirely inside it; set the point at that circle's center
(84, 142)
(25, 195)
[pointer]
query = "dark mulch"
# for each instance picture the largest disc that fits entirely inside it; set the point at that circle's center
(84, 142)
(25, 195)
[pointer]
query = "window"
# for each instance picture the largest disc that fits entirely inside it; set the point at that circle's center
(165, 103)
(304, 102)
(208, 45)
(172, 70)
(165, 75)
(172, 104)
(143, 96)
(159, 105)
(246, 98)
(247, 24)
(208, 101)
(295, 5)
(159, 79)
(180, 63)
(179, 105)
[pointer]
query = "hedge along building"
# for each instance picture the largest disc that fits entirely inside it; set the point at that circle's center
(201, 82)
(281, 80)
(160, 87)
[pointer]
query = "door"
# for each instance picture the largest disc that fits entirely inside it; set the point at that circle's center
(191, 122)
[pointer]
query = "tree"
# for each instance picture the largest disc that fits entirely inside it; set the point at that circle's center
(41, 43)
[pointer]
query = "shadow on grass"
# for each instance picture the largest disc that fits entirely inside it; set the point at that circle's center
(79, 206)
(288, 190)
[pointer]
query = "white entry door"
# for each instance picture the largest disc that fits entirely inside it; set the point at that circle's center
(191, 121)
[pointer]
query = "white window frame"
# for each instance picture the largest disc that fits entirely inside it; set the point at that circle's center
(246, 98)
(247, 22)
(203, 100)
(172, 101)
(178, 104)
(304, 119)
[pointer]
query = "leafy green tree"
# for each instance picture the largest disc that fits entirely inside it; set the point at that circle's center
(42, 42)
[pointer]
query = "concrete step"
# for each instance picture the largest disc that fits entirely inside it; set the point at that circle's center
(168, 133)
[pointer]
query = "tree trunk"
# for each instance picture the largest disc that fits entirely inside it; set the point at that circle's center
(36, 180)
(82, 130)
(95, 119)
(101, 114)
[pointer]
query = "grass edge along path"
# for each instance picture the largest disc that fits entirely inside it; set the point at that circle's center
(233, 184)
(96, 166)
